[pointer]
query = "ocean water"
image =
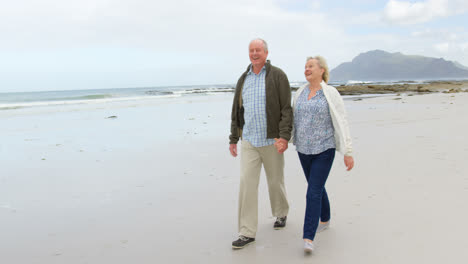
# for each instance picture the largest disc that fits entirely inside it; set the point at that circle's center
(18, 100)
(10, 101)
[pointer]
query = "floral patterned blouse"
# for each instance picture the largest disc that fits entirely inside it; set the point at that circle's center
(313, 127)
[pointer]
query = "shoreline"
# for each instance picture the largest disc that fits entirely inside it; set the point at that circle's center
(21, 100)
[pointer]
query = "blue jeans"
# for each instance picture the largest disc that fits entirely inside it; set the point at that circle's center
(316, 169)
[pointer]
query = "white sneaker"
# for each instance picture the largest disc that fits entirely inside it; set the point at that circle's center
(308, 247)
(322, 227)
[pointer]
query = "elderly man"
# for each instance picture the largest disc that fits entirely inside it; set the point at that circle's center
(262, 116)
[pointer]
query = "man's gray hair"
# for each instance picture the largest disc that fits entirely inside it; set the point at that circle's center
(265, 45)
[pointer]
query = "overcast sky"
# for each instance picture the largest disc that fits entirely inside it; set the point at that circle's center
(89, 44)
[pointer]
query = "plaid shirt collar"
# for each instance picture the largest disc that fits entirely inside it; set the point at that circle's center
(251, 70)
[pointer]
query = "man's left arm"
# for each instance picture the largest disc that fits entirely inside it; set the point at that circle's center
(286, 119)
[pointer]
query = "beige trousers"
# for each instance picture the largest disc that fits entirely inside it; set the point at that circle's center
(252, 159)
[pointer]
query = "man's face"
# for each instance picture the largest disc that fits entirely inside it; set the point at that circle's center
(257, 53)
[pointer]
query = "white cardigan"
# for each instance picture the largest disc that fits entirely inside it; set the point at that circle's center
(338, 116)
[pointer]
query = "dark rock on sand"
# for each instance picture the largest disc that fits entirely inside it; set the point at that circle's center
(453, 90)
(429, 87)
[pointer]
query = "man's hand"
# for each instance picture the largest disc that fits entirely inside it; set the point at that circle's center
(233, 149)
(281, 145)
(349, 162)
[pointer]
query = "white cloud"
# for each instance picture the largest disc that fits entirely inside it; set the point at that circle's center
(149, 24)
(299, 5)
(464, 47)
(405, 12)
(449, 43)
(452, 34)
(145, 43)
(209, 38)
(442, 47)
(369, 18)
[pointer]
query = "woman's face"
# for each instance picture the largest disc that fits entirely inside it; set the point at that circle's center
(313, 72)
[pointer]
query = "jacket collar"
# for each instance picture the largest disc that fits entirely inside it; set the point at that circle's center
(323, 84)
(267, 67)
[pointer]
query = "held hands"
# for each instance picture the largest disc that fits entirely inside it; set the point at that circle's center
(349, 162)
(281, 145)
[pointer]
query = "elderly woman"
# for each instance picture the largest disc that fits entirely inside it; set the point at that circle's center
(320, 128)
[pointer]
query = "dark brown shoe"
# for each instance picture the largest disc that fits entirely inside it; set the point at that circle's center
(280, 222)
(242, 242)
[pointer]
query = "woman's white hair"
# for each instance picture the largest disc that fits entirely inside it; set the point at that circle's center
(323, 64)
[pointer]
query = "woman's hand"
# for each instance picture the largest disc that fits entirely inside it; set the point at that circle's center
(349, 162)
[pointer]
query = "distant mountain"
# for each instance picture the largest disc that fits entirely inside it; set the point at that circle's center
(381, 65)
(459, 65)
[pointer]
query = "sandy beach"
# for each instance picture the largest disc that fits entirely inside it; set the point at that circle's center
(156, 184)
